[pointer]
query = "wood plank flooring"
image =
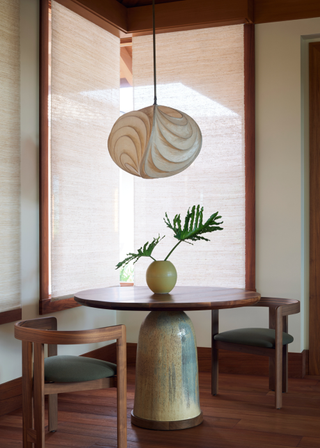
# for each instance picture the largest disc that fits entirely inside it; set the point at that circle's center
(241, 416)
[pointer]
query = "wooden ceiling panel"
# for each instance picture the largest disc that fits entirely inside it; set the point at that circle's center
(134, 3)
(125, 18)
(280, 10)
(188, 14)
(264, 10)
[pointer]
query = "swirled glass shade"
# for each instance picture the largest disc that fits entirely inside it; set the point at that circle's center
(154, 142)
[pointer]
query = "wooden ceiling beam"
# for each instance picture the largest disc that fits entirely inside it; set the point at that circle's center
(126, 65)
(108, 14)
(188, 14)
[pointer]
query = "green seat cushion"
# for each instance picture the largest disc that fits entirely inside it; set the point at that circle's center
(70, 369)
(259, 337)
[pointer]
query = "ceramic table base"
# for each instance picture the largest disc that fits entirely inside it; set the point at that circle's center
(167, 384)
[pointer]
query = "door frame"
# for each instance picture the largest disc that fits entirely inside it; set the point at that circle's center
(314, 214)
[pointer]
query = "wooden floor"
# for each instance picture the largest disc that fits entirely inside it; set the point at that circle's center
(241, 416)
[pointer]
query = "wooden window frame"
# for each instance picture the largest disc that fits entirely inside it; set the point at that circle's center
(10, 316)
(250, 149)
(46, 304)
(314, 184)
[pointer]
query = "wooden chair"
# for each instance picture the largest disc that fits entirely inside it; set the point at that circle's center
(57, 374)
(272, 342)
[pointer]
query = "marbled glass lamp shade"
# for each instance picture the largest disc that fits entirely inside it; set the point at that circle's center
(154, 142)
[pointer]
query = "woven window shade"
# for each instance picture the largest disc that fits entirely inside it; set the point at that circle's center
(201, 73)
(84, 182)
(9, 155)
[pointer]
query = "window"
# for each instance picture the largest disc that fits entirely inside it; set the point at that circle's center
(62, 101)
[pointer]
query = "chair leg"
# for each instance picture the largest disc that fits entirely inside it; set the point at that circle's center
(278, 358)
(122, 391)
(275, 379)
(285, 369)
(52, 412)
(38, 394)
(279, 384)
(27, 410)
(214, 353)
(272, 379)
(284, 373)
(214, 370)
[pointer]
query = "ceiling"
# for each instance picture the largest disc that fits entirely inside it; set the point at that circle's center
(127, 18)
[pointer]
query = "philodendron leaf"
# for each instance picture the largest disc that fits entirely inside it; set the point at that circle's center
(194, 227)
(144, 251)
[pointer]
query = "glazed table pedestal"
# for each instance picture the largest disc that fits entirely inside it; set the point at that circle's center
(167, 384)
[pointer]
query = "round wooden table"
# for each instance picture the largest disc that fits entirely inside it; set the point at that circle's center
(167, 385)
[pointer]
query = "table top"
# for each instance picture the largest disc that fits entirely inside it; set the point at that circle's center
(181, 298)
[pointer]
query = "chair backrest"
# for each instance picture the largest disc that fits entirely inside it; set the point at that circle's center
(44, 330)
(289, 306)
(279, 308)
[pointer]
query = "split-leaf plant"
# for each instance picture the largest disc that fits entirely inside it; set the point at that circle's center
(193, 230)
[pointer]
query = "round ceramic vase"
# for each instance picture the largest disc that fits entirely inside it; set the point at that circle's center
(161, 277)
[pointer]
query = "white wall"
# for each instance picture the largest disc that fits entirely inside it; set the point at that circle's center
(74, 319)
(282, 220)
(281, 230)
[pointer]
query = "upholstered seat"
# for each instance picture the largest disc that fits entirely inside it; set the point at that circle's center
(257, 337)
(71, 369)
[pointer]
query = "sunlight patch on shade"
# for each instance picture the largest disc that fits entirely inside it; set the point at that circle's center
(126, 100)
(103, 95)
(183, 98)
(176, 95)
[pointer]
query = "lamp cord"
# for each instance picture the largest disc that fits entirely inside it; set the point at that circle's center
(154, 53)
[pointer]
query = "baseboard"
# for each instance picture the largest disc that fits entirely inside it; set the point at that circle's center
(109, 353)
(106, 353)
(247, 364)
(229, 362)
(240, 363)
(10, 396)
(131, 353)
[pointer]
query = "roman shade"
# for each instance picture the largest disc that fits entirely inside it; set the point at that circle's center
(9, 157)
(200, 72)
(85, 65)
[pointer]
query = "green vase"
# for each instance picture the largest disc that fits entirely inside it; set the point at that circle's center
(161, 277)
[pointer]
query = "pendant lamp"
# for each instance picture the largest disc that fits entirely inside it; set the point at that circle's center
(156, 141)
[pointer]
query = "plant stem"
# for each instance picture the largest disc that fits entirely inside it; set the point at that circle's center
(152, 258)
(172, 250)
